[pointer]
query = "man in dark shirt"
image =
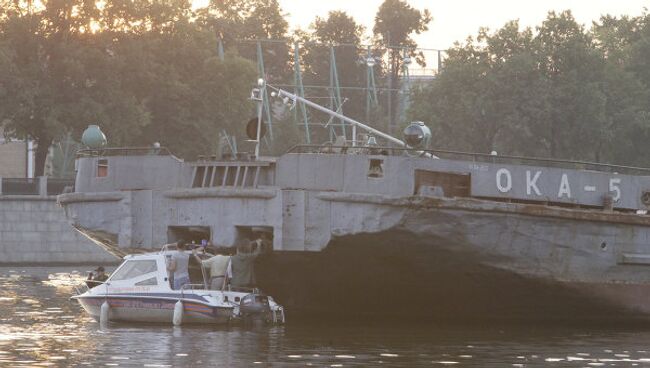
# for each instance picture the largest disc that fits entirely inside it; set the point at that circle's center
(96, 279)
(243, 264)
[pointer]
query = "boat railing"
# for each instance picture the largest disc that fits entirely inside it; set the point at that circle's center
(193, 287)
(241, 289)
(189, 287)
(168, 247)
(470, 156)
(237, 289)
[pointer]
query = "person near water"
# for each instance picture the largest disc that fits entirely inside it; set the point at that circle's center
(217, 266)
(178, 265)
(242, 270)
(96, 278)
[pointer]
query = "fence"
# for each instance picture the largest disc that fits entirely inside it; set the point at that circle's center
(41, 186)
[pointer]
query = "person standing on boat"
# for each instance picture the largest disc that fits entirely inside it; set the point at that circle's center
(243, 264)
(178, 266)
(217, 266)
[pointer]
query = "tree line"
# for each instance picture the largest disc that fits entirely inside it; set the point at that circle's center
(151, 71)
(559, 90)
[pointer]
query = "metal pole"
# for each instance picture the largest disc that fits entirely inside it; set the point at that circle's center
(265, 99)
(283, 93)
(405, 89)
(260, 105)
(391, 68)
(336, 90)
(300, 89)
(220, 52)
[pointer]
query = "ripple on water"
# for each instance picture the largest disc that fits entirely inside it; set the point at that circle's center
(42, 328)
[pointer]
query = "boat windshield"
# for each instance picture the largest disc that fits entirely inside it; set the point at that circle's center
(134, 268)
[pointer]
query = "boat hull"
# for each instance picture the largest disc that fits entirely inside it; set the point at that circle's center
(154, 310)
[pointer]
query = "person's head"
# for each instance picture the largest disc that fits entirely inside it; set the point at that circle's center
(99, 269)
(181, 245)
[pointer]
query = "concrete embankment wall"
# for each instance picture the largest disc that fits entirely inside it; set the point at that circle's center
(34, 230)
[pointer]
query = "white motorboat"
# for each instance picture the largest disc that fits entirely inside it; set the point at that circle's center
(139, 290)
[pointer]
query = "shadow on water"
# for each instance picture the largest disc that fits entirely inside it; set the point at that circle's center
(39, 326)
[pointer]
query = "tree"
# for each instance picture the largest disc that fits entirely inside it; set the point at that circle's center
(339, 36)
(190, 94)
(41, 81)
(488, 94)
(238, 23)
(140, 69)
(396, 21)
(549, 93)
(574, 70)
(623, 41)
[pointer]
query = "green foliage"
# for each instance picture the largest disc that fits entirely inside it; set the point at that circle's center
(338, 33)
(148, 70)
(142, 70)
(560, 91)
(395, 23)
(239, 22)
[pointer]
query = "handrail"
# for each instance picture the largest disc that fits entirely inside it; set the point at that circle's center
(191, 287)
(124, 151)
(242, 289)
(475, 156)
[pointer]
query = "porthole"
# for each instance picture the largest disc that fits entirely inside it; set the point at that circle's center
(645, 198)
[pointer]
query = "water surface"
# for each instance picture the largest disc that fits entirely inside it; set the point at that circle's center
(40, 326)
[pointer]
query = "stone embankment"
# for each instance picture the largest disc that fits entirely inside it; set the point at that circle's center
(34, 229)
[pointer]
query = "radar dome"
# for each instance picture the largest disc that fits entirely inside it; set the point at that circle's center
(93, 137)
(417, 135)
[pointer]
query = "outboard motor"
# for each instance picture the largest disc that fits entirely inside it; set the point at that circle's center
(417, 135)
(255, 307)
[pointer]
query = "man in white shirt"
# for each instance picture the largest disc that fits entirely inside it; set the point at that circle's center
(218, 266)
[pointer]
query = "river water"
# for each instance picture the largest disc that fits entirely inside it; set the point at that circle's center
(40, 326)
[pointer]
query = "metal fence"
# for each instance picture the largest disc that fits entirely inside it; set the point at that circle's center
(35, 186)
(20, 186)
(59, 186)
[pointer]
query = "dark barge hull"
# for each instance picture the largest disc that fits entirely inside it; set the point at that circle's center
(470, 259)
(372, 277)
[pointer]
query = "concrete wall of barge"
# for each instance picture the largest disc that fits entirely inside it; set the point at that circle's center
(130, 172)
(34, 229)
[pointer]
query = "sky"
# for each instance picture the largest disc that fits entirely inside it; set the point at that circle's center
(456, 19)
